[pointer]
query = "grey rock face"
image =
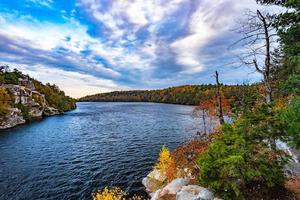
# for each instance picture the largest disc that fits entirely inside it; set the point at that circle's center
(175, 186)
(153, 179)
(49, 111)
(13, 118)
(205, 194)
(189, 192)
(25, 94)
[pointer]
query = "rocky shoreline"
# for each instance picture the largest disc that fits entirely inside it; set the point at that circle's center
(24, 95)
(185, 185)
(179, 189)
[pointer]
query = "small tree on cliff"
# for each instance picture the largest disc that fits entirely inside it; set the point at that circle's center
(5, 101)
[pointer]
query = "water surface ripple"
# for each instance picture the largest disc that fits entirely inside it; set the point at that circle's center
(98, 144)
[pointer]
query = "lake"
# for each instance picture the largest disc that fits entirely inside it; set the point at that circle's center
(99, 144)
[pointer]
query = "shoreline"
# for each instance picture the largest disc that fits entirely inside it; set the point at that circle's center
(35, 120)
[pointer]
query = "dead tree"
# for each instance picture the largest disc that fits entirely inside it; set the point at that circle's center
(258, 35)
(219, 99)
(200, 111)
(204, 121)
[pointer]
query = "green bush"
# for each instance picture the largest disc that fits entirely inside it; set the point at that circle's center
(25, 111)
(1, 78)
(290, 116)
(38, 99)
(235, 164)
(3, 110)
(55, 97)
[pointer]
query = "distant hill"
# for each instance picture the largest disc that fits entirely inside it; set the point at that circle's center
(186, 95)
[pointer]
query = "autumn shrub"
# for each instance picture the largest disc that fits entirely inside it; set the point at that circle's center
(114, 193)
(166, 165)
(185, 157)
(109, 194)
(235, 163)
(38, 99)
(3, 110)
(25, 111)
(5, 101)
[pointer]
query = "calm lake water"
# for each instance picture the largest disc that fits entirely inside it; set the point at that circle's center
(98, 144)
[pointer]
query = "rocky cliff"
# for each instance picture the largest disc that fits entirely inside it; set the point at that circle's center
(26, 103)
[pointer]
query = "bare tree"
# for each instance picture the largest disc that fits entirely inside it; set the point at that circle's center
(258, 35)
(219, 99)
(200, 112)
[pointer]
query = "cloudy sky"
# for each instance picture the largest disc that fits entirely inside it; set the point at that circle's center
(92, 46)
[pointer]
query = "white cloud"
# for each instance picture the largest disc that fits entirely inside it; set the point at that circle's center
(207, 22)
(43, 35)
(74, 84)
(137, 13)
(45, 3)
(48, 37)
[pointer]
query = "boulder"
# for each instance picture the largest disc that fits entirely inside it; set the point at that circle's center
(154, 181)
(189, 192)
(205, 194)
(13, 118)
(48, 111)
(155, 195)
(36, 112)
(175, 186)
(185, 196)
(155, 174)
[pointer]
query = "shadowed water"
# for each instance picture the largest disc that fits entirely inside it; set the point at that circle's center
(99, 144)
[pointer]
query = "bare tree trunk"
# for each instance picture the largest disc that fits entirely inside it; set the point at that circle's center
(266, 71)
(219, 99)
(204, 122)
(257, 37)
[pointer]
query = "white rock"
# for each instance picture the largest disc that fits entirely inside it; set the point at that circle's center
(155, 195)
(48, 111)
(205, 194)
(153, 179)
(189, 192)
(155, 174)
(175, 186)
(13, 118)
(185, 196)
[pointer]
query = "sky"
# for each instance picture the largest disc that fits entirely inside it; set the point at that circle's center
(92, 46)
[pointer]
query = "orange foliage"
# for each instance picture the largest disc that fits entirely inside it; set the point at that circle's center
(166, 164)
(211, 105)
(114, 193)
(171, 171)
(186, 155)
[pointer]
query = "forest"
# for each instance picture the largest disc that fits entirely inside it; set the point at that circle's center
(185, 95)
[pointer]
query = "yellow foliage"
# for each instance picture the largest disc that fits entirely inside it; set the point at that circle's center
(280, 104)
(109, 194)
(5, 100)
(166, 165)
(114, 193)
